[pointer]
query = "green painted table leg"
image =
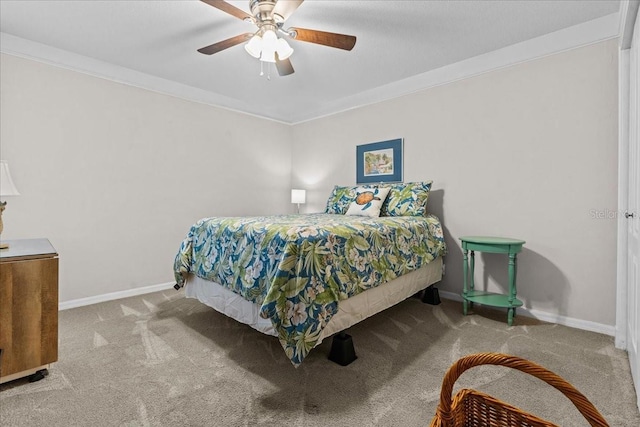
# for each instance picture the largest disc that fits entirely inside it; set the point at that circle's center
(512, 287)
(472, 274)
(465, 273)
(512, 277)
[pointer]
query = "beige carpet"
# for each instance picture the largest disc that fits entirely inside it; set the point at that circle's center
(163, 360)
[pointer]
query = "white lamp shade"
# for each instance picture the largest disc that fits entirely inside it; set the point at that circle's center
(268, 55)
(269, 40)
(265, 47)
(283, 49)
(254, 47)
(7, 187)
(298, 196)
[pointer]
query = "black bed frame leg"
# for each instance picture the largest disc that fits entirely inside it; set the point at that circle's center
(342, 350)
(38, 375)
(431, 296)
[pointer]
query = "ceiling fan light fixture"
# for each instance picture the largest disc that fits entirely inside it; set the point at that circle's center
(268, 55)
(283, 49)
(254, 47)
(269, 40)
(269, 16)
(265, 47)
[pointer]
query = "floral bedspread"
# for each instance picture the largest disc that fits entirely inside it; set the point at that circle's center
(298, 267)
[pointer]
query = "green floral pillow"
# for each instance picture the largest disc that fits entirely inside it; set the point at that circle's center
(407, 199)
(340, 199)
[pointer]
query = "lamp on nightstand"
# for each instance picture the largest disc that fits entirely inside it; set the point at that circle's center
(298, 196)
(7, 188)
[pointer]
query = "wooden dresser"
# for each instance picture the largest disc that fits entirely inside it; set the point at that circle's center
(28, 308)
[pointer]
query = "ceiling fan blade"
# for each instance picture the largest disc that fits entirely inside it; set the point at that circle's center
(341, 41)
(285, 8)
(225, 44)
(229, 8)
(283, 66)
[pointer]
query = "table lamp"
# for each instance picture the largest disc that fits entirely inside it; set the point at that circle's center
(7, 188)
(298, 196)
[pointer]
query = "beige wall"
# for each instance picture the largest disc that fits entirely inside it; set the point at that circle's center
(114, 176)
(528, 151)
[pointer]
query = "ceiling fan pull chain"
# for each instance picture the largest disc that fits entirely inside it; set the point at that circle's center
(261, 69)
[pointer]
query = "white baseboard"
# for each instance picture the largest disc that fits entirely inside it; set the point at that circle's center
(549, 317)
(81, 302)
(522, 311)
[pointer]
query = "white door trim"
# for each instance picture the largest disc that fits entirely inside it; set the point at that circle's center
(628, 14)
(623, 186)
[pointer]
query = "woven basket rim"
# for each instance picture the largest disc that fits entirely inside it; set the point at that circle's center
(449, 409)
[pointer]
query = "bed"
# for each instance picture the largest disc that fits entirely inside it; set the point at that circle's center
(303, 278)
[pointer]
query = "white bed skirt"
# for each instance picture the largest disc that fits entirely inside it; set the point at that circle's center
(350, 311)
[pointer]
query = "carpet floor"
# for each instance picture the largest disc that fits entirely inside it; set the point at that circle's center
(163, 360)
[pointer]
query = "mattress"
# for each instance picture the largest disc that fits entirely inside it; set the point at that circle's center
(350, 311)
(298, 268)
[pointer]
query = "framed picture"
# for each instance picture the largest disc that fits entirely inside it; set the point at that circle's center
(379, 162)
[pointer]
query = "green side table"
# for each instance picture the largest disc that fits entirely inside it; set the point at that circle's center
(496, 245)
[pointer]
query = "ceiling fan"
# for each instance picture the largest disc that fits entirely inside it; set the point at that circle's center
(269, 16)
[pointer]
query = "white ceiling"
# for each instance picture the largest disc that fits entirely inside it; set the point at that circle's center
(396, 41)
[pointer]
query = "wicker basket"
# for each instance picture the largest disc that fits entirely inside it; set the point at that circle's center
(471, 408)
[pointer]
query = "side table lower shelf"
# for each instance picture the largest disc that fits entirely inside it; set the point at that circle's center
(491, 299)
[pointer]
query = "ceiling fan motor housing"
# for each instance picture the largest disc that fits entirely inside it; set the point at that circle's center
(262, 11)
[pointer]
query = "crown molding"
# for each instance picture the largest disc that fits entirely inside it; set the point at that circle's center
(590, 32)
(627, 15)
(23, 48)
(581, 35)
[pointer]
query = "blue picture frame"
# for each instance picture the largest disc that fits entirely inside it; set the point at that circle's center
(379, 162)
